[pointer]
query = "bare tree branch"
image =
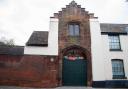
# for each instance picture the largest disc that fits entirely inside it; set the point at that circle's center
(5, 42)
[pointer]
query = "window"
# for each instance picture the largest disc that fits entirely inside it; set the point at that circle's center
(118, 69)
(114, 42)
(126, 29)
(74, 29)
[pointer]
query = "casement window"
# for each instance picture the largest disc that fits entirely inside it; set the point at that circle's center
(74, 29)
(114, 42)
(118, 69)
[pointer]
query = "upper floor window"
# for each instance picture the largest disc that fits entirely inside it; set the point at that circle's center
(114, 42)
(118, 69)
(74, 29)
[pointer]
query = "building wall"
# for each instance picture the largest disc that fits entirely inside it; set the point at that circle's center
(52, 48)
(108, 55)
(101, 58)
(96, 51)
(101, 55)
(38, 67)
(32, 71)
(42, 66)
(74, 13)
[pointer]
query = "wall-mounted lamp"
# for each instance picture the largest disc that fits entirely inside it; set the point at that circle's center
(52, 59)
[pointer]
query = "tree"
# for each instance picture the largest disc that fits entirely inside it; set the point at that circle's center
(6, 42)
(10, 42)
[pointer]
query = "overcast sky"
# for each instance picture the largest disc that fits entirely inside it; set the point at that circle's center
(19, 18)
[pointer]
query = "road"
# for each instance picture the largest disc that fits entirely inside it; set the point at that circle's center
(14, 87)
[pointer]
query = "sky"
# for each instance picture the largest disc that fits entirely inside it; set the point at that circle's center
(19, 18)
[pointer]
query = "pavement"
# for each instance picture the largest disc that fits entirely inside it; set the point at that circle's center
(15, 87)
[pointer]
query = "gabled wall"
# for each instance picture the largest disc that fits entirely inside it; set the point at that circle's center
(74, 13)
(52, 48)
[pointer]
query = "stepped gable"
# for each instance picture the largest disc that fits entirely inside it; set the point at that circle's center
(73, 9)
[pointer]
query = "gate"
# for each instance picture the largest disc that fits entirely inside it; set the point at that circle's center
(74, 72)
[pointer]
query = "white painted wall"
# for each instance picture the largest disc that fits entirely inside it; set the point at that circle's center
(96, 49)
(101, 56)
(52, 48)
(108, 55)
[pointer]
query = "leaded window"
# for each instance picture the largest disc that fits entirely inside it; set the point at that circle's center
(74, 29)
(114, 42)
(118, 69)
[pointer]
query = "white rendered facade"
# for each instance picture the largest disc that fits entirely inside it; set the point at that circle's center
(102, 56)
(52, 48)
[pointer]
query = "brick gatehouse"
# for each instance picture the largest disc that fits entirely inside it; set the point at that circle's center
(74, 52)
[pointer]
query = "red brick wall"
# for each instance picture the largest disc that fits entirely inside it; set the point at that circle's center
(28, 70)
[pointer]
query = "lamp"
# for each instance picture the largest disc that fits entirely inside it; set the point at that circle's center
(52, 59)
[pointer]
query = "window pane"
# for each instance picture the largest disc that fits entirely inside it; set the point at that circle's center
(71, 32)
(118, 68)
(76, 30)
(73, 29)
(114, 42)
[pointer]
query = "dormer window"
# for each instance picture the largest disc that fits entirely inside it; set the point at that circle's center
(74, 29)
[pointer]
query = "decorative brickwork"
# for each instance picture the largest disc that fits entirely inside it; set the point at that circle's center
(74, 13)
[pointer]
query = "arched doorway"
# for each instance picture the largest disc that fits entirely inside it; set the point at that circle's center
(74, 67)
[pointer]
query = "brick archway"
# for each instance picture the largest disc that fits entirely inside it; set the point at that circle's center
(83, 52)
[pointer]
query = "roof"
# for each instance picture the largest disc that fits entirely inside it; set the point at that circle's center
(12, 50)
(2, 43)
(38, 38)
(113, 28)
